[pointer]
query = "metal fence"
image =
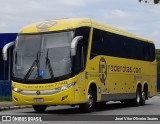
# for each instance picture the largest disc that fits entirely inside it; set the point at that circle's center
(5, 66)
(5, 89)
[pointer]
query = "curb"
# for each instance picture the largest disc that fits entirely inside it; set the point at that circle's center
(14, 107)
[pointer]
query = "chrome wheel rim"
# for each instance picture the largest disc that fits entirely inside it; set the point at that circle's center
(138, 97)
(143, 96)
(90, 100)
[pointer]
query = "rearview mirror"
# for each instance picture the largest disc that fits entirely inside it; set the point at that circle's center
(5, 49)
(74, 45)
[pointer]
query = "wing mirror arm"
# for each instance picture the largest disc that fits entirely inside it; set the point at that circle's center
(5, 49)
(74, 45)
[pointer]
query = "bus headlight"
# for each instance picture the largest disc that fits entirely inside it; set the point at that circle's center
(65, 87)
(16, 89)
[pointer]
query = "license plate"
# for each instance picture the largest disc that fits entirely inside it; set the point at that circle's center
(38, 100)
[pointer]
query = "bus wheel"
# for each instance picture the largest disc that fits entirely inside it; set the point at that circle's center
(39, 108)
(138, 99)
(143, 99)
(89, 106)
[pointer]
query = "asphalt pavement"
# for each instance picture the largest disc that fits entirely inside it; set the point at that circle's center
(152, 108)
(6, 105)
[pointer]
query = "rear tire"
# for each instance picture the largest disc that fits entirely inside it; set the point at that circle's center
(139, 100)
(138, 97)
(89, 106)
(39, 108)
(143, 98)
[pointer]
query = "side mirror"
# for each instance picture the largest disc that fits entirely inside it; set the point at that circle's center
(74, 45)
(5, 49)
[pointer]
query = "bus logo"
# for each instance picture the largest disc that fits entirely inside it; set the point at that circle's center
(46, 25)
(103, 70)
(38, 92)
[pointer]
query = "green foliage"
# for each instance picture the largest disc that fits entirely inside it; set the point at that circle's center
(5, 99)
(148, 1)
(156, 1)
(158, 55)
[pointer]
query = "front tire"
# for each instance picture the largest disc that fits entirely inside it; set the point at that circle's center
(89, 106)
(39, 108)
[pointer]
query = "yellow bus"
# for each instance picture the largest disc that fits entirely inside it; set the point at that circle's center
(82, 62)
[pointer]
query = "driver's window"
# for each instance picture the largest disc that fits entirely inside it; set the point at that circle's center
(80, 59)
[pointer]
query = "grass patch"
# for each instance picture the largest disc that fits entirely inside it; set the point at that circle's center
(2, 99)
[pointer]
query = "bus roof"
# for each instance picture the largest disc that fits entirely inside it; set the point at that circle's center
(56, 25)
(71, 23)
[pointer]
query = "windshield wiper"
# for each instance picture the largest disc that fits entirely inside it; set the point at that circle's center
(35, 62)
(48, 63)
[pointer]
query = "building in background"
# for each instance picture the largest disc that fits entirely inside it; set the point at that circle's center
(6, 66)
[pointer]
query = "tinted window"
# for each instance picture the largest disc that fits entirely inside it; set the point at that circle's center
(97, 44)
(146, 55)
(110, 44)
(113, 45)
(133, 49)
(79, 61)
(152, 52)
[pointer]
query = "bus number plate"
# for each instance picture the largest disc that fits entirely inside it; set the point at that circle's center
(38, 100)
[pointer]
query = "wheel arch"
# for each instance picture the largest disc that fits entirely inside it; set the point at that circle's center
(139, 85)
(92, 85)
(145, 88)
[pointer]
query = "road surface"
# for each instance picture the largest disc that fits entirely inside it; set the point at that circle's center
(152, 107)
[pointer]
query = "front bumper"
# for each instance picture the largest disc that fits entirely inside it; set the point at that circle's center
(66, 97)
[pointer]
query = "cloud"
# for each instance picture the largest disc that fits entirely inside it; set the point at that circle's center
(19, 13)
(154, 36)
(73, 3)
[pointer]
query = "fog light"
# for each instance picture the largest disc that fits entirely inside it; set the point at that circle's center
(15, 99)
(64, 97)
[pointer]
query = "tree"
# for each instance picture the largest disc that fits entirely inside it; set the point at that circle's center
(149, 1)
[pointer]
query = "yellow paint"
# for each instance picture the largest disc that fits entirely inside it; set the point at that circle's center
(116, 81)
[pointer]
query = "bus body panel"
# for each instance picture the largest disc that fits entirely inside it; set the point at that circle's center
(115, 78)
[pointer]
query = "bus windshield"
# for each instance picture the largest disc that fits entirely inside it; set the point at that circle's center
(42, 56)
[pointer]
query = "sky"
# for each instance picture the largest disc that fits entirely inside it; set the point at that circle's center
(130, 15)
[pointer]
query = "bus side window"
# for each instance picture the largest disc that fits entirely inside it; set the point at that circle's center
(151, 52)
(96, 47)
(145, 51)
